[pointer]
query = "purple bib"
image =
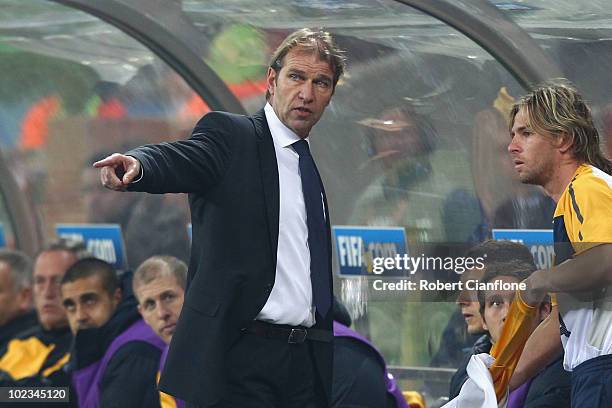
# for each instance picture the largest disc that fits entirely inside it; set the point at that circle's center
(516, 398)
(86, 381)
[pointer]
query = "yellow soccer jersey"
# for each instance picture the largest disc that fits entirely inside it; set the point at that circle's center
(582, 220)
(583, 217)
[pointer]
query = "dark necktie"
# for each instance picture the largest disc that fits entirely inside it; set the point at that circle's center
(312, 188)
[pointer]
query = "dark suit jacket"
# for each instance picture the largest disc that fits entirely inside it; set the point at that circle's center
(228, 166)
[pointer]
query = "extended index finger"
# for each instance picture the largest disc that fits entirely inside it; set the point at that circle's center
(108, 161)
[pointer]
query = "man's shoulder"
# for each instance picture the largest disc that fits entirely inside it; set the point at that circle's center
(590, 195)
(227, 125)
(134, 355)
(222, 117)
(592, 180)
(137, 349)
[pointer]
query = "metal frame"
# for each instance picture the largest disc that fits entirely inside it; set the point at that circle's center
(26, 228)
(148, 22)
(159, 26)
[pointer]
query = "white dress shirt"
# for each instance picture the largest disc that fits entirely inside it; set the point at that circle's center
(290, 301)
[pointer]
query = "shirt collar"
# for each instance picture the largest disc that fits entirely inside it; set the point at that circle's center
(281, 134)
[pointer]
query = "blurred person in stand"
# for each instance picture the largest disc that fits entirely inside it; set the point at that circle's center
(140, 217)
(409, 192)
(400, 142)
(16, 313)
(499, 199)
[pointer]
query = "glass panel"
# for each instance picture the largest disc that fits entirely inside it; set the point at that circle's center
(415, 137)
(578, 36)
(72, 90)
(241, 34)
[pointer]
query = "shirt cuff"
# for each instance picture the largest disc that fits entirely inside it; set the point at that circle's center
(141, 174)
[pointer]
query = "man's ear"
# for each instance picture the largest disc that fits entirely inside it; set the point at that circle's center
(271, 80)
(25, 299)
(545, 309)
(117, 296)
(564, 142)
(139, 309)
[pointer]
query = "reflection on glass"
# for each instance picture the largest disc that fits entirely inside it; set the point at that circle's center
(74, 89)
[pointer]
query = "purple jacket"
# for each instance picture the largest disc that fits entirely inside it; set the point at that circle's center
(341, 330)
(86, 381)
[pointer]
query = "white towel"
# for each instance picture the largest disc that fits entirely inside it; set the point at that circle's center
(478, 390)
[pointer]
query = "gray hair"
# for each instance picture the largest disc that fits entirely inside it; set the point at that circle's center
(158, 266)
(20, 265)
(76, 247)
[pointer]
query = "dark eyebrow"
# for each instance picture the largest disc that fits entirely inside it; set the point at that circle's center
(88, 296)
(296, 71)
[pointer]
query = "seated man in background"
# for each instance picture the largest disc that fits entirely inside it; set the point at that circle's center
(159, 286)
(470, 310)
(37, 356)
(492, 252)
(360, 372)
(115, 355)
(16, 313)
(551, 387)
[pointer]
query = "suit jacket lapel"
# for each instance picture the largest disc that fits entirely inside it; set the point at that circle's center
(269, 172)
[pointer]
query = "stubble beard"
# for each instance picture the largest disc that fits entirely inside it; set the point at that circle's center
(538, 176)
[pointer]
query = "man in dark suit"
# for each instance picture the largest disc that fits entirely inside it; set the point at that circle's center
(255, 329)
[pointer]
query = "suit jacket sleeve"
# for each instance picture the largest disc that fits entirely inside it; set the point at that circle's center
(187, 166)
